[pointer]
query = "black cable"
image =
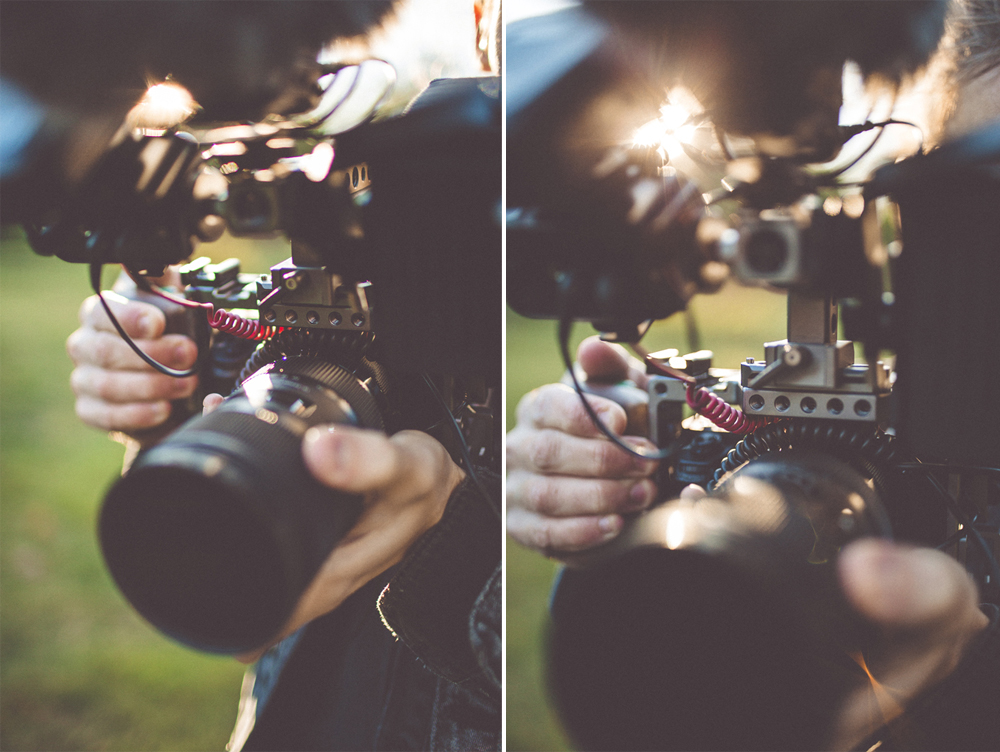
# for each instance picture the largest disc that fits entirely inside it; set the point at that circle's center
(967, 525)
(565, 326)
(463, 447)
(956, 536)
(866, 127)
(928, 466)
(862, 155)
(95, 283)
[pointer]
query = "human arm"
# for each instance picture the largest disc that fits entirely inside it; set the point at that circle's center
(445, 600)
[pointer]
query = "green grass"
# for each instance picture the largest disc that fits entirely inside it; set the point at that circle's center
(734, 324)
(79, 670)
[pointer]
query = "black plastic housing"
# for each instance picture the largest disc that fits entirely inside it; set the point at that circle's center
(214, 534)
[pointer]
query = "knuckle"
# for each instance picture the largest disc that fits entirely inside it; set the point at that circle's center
(73, 345)
(511, 453)
(541, 496)
(608, 458)
(103, 385)
(541, 537)
(87, 307)
(424, 462)
(78, 381)
(607, 495)
(577, 417)
(92, 414)
(545, 451)
(102, 350)
(524, 405)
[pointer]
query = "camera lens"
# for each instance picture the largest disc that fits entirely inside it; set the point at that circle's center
(214, 534)
(766, 251)
(654, 645)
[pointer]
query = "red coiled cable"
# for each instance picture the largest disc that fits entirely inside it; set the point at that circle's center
(231, 323)
(722, 414)
(219, 318)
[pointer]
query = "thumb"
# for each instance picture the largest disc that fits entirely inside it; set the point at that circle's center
(603, 361)
(900, 586)
(140, 320)
(352, 459)
(609, 363)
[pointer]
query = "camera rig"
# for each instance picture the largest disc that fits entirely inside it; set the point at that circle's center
(380, 318)
(801, 452)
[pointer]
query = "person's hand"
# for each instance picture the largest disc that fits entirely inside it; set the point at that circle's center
(567, 485)
(115, 390)
(926, 607)
(406, 480)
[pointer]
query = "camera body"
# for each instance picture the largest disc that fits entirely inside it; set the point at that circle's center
(383, 317)
(655, 637)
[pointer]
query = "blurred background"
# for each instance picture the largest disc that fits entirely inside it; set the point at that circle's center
(79, 670)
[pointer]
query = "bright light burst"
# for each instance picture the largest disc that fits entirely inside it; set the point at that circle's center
(164, 105)
(673, 127)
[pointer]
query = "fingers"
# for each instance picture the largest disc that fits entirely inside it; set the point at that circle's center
(115, 389)
(558, 407)
(927, 607)
(128, 417)
(554, 536)
(126, 400)
(120, 387)
(909, 588)
(567, 497)
(108, 350)
(567, 484)
(552, 452)
(211, 402)
(350, 460)
(406, 479)
(608, 362)
(692, 492)
(140, 320)
(365, 461)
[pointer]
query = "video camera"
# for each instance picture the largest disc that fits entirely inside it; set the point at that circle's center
(383, 317)
(719, 624)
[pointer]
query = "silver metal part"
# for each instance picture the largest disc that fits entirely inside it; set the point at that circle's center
(792, 357)
(819, 365)
(313, 298)
(865, 407)
(767, 249)
(811, 318)
(839, 393)
(668, 395)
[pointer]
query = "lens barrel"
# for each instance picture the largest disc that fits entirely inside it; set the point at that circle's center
(214, 533)
(717, 624)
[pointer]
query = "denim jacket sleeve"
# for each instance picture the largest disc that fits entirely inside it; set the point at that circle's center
(444, 601)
